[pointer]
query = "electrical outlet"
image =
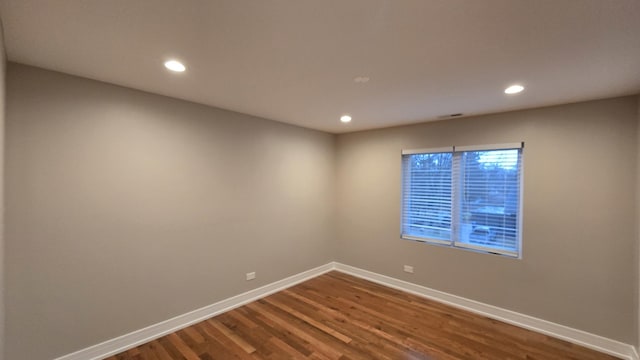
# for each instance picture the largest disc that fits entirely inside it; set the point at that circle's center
(251, 276)
(408, 269)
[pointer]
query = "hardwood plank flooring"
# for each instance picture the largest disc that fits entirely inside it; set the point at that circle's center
(337, 316)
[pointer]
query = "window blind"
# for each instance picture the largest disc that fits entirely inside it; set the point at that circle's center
(468, 197)
(488, 200)
(426, 196)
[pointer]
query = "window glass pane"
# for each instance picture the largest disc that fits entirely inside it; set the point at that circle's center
(488, 200)
(427, 196)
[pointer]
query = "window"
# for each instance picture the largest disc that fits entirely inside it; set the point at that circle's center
(466, 197)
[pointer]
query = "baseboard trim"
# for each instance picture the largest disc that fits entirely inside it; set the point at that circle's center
(588, 340)
(138, 337)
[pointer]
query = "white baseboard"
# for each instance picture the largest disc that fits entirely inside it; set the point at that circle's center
(138, 337)
(588, 340)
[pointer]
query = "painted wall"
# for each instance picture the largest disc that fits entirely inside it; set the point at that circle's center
(638, 233)
(579, 229)
(126, 208)
(3, 60)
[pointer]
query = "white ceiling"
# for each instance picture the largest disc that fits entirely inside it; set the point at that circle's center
(295, 60)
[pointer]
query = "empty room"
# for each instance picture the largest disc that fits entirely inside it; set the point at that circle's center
(339, 179)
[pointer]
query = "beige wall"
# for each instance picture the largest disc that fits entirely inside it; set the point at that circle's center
(127, 208)
(579, 214)
(638, 233)
(2, 109)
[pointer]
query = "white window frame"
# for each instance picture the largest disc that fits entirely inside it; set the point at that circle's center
(455, 216)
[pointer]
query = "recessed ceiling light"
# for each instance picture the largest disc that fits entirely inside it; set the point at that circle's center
(513, 89)
(361, 79)
(175, 65)
(345, 118)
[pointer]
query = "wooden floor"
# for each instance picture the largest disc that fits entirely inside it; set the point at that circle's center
(337, 316)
